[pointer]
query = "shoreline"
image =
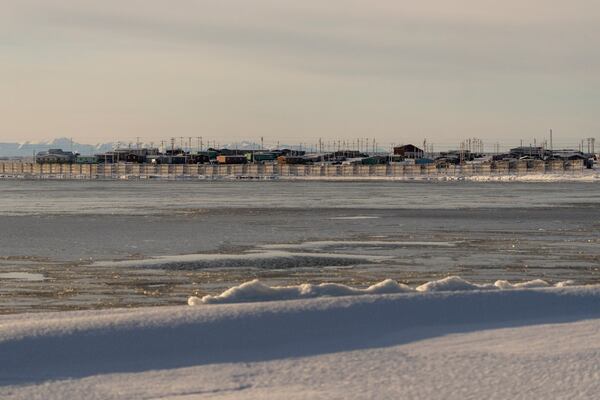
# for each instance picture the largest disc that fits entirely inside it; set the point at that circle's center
(521, 170)
(591, 176)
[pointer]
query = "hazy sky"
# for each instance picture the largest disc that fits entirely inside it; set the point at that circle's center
(395, 70)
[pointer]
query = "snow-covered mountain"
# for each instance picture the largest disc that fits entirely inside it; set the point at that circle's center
(29, 148)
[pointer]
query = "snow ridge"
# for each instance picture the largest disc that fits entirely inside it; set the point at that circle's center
(254, 291)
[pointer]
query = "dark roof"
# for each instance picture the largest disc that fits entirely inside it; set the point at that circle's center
(408, 147)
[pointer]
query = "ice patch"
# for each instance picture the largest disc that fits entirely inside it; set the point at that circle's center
(256, 291)
(353, 243)
(22, 276)
(358, 217)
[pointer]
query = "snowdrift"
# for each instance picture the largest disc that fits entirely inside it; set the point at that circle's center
(70, 345)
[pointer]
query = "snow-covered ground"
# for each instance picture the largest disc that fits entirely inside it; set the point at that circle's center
(448, 339)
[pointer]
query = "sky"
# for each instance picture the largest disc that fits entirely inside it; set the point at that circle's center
(232, 70)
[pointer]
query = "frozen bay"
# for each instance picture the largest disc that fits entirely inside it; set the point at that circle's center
(114, 244)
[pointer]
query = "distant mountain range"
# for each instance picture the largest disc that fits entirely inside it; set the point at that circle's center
(29, 148)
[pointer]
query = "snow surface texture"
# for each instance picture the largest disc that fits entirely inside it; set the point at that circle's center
(257, 291)
(434, 344)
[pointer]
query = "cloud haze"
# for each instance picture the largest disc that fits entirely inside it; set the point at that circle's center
(232, 70)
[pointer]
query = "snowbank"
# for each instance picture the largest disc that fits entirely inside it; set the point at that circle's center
(427, 344)
(256, 291)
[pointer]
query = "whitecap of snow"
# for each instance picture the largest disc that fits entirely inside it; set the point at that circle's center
(565, 283)
(451, 284)
(256, 291)
(536, 283)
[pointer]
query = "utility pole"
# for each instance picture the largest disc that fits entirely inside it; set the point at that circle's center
(589, 145)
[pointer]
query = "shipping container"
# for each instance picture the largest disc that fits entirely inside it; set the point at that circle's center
(233, 159)
(291, 160)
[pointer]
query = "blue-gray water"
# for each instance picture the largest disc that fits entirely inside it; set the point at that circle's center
(60, 241)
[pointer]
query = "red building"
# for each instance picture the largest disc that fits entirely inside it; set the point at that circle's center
(408, 151)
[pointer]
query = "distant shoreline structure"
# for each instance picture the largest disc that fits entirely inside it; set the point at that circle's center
(521, 170)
